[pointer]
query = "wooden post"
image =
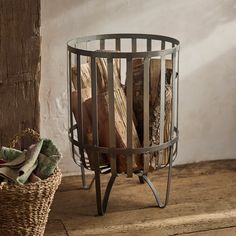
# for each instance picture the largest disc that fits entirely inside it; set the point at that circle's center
(19, 66)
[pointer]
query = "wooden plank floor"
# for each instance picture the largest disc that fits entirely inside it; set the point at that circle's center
(203, 202)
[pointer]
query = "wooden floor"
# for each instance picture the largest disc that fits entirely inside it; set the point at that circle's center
(203, 202)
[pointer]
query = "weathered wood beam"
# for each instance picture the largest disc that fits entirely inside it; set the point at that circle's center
(19, 66)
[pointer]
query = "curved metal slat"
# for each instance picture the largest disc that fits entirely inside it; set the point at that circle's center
(72, 46)
(124, 151)
(111, 54)
(124, 36)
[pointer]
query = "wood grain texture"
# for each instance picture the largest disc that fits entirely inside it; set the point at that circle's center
(103, 113)
(19, 66)
(200, 201)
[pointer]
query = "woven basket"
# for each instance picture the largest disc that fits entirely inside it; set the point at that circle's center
(24, 209)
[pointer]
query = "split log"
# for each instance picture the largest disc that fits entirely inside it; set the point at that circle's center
(154, 102)
(120, 113)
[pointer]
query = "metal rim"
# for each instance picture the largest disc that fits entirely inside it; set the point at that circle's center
(126, 151)
(72, 46)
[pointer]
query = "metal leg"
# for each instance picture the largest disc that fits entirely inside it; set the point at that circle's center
(154, 190)
(107, 192)
(98, 192)
(83, 177)
(141, 179)
(81, 165)
(102, 205)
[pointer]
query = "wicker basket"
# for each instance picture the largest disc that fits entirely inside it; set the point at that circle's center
(24, 209)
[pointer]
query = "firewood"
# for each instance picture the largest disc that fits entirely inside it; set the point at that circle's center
(120, 113)
(154, 102)
(87, 127)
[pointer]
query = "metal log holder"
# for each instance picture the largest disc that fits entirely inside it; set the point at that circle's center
(156, 46)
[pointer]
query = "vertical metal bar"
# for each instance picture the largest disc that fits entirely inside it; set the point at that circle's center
(111, 114)
(80, 122)
(177, 113)
(94, 100)
(70, 110)
(119, 60)
(171, 148)
(168, 185)
(129, 115)
(134, 45)
(98, 189)
(149, 45)
(95, 133)
(80, 111)
(163, 45)
(174, 94)
(146, 90)
(118, 44)
(102, 44)
(162, 110)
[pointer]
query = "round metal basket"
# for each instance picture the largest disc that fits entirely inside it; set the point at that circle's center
(152, 113)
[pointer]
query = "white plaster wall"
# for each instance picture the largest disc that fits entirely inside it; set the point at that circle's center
(207, 31)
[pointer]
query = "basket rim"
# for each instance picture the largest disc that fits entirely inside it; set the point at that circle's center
(51, 179)
(73, 48)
